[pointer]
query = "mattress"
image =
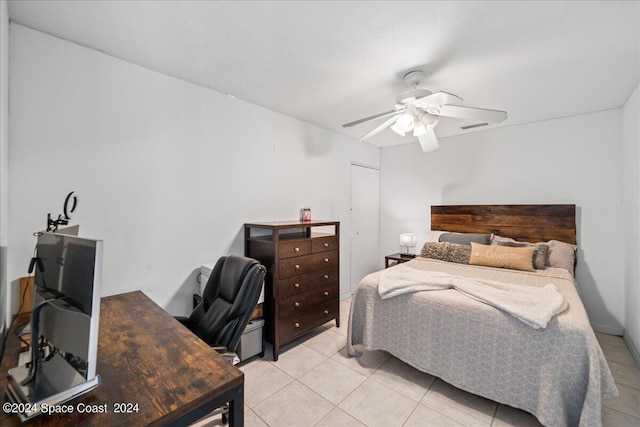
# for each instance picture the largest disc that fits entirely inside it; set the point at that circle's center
(559, 374)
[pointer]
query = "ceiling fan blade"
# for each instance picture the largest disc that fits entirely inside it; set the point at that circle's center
(477, 114)
(437, 99)
(428, 141)
(375, 116)
(379, 129)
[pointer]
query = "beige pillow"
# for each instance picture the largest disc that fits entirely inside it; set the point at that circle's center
(502, 256)
(562, 255)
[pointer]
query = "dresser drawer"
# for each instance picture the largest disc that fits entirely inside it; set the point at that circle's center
(298, 323)
(304, 282)
(307, 263)
(305, 300)
(294, 248)
(322, 244)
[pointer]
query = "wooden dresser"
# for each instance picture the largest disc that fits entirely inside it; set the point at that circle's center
(302, 286)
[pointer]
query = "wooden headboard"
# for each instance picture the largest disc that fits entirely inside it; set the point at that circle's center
(531, 223)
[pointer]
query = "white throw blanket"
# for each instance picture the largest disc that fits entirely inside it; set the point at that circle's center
(532, 305)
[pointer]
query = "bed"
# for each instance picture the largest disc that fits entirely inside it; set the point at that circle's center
(557, 373)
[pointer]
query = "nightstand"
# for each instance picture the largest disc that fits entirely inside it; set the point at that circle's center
(395, 259)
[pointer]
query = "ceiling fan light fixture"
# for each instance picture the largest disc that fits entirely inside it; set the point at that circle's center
(419, 129)
(396, 129)
(429, 120)
(405, 122)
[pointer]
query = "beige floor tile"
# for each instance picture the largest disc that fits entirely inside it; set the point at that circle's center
(294, 405)
(345, 307)
(618, 354)
(309, 335)
(332, 380)
(610, 340)
(252, 420)
(625, 375)
(297, 360)
(261, 381)
(342, 330)
(344, 321)
(612, 418)
(399, 376)
(365, 364)
(423, 416)
(374, 405)
(327, 343)
(628, 401)
(506, 416)
(244, 366)
(339, 418)
(466, 408)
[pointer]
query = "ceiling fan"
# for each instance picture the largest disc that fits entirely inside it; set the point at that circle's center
(419, 110)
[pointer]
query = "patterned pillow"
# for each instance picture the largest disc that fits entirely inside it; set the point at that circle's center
(445, 251)
(502, 256)
(540, 255)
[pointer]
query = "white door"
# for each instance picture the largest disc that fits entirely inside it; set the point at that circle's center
(365, 200)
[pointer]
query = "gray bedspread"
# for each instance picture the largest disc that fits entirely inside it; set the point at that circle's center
(558, 374)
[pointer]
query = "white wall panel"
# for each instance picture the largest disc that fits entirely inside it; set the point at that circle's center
(166, 171)
(570, 160)
(631, 192)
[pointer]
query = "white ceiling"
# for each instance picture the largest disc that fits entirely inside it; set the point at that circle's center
(329, 63)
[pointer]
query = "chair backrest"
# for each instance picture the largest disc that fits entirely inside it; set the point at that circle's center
(229, 297)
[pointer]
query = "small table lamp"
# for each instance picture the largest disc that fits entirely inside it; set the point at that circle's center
(408, 240)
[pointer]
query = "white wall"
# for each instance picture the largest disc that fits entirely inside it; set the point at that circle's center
(570, 160)
(631, 193)
(166, 171)
(4, 159)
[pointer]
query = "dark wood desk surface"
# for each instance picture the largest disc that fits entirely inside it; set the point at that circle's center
(148, 358)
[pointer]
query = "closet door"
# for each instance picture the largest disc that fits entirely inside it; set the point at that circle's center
(365, 222)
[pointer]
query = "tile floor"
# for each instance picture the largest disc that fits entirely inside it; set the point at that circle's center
(315, 383)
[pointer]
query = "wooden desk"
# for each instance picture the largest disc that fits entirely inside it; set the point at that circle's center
(145, 357)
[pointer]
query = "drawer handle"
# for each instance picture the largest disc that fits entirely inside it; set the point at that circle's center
(326, 260)
(326, 294)
(297, 325)
(297, 304)
(326, 245)
(326, 312)
(297, 266)
(296, 249)
(296, 285)
(326, 276)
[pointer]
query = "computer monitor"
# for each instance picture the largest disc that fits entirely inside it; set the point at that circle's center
(66, 314)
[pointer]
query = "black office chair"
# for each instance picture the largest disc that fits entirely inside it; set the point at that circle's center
(228, 299)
